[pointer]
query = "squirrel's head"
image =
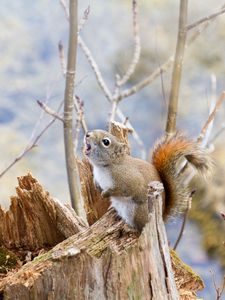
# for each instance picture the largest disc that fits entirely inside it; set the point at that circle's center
(103, 148)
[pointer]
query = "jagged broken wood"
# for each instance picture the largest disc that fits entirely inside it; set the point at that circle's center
(104, 261)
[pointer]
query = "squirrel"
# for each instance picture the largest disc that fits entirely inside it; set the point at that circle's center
(125, 179)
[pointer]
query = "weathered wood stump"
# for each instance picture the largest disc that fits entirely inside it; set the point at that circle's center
(53, 255)
(104, 261)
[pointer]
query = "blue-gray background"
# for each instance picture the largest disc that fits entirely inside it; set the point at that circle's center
(30, 70)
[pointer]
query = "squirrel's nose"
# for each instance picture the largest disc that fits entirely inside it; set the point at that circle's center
(88, 134)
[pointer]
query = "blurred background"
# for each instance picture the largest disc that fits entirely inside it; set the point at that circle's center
(30, 71)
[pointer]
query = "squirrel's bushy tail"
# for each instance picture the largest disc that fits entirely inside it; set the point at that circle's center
(167, 154)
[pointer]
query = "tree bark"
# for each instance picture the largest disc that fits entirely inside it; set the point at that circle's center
(104, 261)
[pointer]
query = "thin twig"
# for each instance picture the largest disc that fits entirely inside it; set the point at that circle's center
(30, 145)
(183, 224)
(80, 117)
(49, 111)
(113, 110)
(65, 8)
(166, 65)
(177, 69)
(137, 46)
(62, 58)
(211, 116)
(146, 81)
(202, 136)
(205, 140)
(95, 68)
(205, 19)
(120, 81)
(218, 133)
(79, 107)
(134, 133)
(84, 19)
(219, 290)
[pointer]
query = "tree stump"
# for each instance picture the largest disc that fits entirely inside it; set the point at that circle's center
(104, 261)
(48, 253)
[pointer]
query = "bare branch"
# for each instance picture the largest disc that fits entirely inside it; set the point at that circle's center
(211, 116)
(80, 117)
(71, 164)
(62, 58)
(218, 133)
(113, 110)
(202, 136)
(30, 145)
(166, 65)
(219, 290)
(177, 69)
(205, 140)
(205, 19)
(79, 107)
(84, 19)
(137, 47)
(65, 8)
(134, 133)
(183, 224)
(149, 79)
(95, 68)
(136, 56)
(49, 111)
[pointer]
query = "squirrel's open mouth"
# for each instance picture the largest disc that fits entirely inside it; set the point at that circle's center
(87, 149)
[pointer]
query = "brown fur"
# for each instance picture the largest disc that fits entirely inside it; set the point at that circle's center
(131, 176)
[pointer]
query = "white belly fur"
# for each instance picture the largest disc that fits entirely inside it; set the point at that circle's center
(125, 208)
(103, 177)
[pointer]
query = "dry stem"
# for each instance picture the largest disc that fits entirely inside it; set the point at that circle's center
(206, 19)
(95, 68)
(30, 146)
(177, 69)
(84, 19)
(211, 116)
(219, 290)
(79, 107)
(218, 133)
(62, 58)
(49, 111)
(63, 68)
(166, 65)
(71, 165)
(137, 47)
(183, 224)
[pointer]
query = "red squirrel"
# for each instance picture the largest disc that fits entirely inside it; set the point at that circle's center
(125, 179)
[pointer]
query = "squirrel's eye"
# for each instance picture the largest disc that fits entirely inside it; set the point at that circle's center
(106, 142)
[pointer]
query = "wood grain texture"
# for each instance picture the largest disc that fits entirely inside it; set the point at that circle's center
(105, 261)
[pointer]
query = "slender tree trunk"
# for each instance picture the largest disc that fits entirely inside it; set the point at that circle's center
(71, 165)
(177, 69)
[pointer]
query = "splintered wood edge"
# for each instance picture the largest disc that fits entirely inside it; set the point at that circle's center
(35, 220)
(108, 234)
(121, 132)
(95, 206)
